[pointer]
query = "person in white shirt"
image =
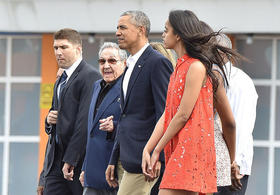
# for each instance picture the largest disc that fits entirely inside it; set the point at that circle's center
(243, 98)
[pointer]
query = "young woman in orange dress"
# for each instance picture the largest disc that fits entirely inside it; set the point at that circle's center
(186, 128)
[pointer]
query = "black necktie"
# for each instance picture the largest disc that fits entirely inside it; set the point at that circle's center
(62, 82)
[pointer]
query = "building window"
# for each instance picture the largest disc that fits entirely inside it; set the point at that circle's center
(264, 69)
(20, 78)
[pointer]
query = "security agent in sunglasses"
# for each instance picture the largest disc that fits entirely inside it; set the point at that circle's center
(104, 113)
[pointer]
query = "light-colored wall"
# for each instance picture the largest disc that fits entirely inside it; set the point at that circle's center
(238, 16)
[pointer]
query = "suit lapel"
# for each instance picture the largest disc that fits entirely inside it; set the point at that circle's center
(96, 91)
(107, 101)
(71, 79)
(135, 73)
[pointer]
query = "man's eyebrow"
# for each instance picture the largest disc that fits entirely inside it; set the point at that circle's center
(121, 26)
(60, 46)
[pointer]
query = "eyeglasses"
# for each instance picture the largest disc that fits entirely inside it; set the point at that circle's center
(110, 61)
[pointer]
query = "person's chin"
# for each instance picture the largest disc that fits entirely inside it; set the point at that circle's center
(60, 65)
(108, 80)
(122, 45)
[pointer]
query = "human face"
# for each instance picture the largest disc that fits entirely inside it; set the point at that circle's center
(169, 38)
(110, 65)
(66, 53)
(127, 33)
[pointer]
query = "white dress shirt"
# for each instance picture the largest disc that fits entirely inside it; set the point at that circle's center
(243, 98)
(130, 62)
(69, 71)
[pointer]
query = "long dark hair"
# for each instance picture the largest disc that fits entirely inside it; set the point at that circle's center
(200, 45)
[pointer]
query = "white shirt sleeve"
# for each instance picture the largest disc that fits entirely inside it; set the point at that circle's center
(243, 99)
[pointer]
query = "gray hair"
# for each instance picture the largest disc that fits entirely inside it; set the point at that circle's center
(122, 53)
(139, 18)
(224, 40)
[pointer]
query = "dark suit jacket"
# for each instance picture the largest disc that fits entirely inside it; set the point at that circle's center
(71, 126)
(141, 109)
(99, 147)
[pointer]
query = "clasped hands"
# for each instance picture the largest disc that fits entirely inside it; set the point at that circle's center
(235, 177)
(150, 165)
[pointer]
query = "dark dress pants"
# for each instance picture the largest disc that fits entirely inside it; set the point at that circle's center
(227, 191)
(55, 183)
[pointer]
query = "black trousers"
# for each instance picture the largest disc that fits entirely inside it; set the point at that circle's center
(55, 184)
(227, 191)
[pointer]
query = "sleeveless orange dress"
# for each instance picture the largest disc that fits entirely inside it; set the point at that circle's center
(190, 157)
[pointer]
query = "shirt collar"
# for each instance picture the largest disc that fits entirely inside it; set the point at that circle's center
(133, 59)
(103, 82)
(69, 71)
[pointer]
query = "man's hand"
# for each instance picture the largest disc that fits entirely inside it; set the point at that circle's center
(52, 117)
(107, 124)
(68, 171)
(110, 176)
(236, 177)
(40, 190)
(81, 178)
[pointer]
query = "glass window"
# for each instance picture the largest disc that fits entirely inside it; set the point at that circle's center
(261, 130)
(3, 49)
(1, 161)
(277, 114)
(277, 171)
(2, 108)
(90, 51)
(25, 109)
(260, 53)
(26, 57)
(278, 59)
(23, 170)
(258, 179)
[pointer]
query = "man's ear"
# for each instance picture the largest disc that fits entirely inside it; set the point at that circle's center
(124, 64)
(142, 30)
(79, 48)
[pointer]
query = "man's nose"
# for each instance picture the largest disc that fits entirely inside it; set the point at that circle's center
(58, 51)
(106, 65)
(118, 33)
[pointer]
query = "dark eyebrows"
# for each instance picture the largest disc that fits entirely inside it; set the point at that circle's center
(122, 27)
(60, 46)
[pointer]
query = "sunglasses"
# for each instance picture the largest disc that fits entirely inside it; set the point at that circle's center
(110, 61)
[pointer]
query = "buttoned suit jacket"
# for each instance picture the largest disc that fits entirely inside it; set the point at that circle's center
(71, 125)
(141, 108)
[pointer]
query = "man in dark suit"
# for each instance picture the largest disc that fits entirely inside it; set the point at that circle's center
(66, 122)
(143, 94)
(104, 113)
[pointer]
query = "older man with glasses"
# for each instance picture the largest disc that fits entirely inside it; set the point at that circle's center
(104, 113)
